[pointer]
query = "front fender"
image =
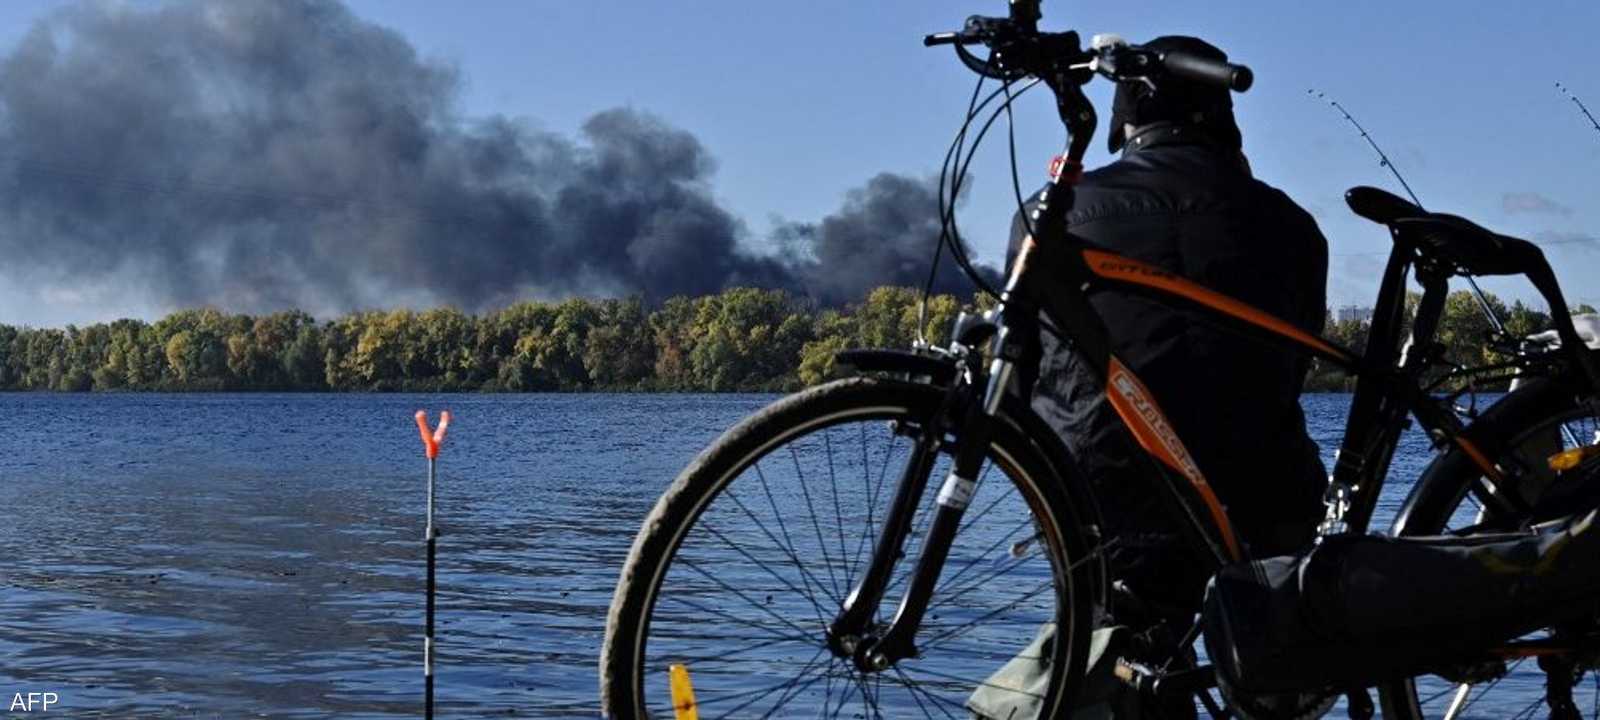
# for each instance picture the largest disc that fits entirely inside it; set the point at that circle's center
(874, 360)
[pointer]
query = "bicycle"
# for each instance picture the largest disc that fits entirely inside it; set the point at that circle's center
(778, 609)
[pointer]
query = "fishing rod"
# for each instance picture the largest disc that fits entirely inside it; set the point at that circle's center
(1581, 107)
(1383, 160)
(430, 447)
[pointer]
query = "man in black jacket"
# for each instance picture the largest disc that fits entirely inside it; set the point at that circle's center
(1182, 198)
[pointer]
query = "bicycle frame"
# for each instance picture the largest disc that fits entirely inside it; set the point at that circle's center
(1056, 277)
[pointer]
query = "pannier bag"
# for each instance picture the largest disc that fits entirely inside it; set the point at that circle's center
(1358, 609)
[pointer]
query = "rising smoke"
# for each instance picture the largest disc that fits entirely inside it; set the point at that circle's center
(260, 155)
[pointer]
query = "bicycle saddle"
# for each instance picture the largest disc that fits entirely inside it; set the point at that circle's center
(1456, 241)
(1380, 206)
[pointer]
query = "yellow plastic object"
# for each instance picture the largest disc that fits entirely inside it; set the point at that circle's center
(1564, 461)
(683, 705)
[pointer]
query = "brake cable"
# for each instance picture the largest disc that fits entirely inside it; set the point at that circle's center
(973, 107)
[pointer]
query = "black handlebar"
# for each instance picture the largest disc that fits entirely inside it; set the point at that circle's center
(1021, 49)
(1017, 50)
(1237, 78)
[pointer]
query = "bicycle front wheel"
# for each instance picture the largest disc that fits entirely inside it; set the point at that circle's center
(748, 557)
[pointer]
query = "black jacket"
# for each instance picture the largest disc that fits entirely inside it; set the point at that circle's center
(1179, 202)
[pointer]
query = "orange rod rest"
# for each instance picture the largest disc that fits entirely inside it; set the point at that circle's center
(431, 440)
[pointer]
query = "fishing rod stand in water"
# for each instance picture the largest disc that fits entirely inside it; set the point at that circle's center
(430, 446)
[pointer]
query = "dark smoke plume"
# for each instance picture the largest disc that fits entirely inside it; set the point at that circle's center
(258, 155)
(883, 235)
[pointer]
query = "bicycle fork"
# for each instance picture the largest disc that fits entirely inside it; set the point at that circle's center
(853, 633)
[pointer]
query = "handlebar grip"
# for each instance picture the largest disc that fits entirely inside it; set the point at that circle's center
(1237, 78)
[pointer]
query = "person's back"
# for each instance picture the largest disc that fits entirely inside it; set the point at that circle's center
(1182, 198)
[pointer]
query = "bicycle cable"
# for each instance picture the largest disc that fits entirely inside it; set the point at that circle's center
(952, 175)
(938, 247)
(1016, 183)
(951, 232)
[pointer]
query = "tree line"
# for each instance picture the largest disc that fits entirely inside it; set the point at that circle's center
(742, 339)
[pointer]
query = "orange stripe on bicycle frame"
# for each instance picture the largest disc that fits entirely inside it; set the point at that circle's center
(1116, 267)
(1138, 411)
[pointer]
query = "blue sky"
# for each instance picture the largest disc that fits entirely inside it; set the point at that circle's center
(800, 102)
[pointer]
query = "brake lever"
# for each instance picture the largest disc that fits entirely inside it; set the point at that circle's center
(1116, 60)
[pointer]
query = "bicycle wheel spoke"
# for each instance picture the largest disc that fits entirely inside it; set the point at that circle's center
(1446, 691)
(869, 703)
(971, 521)
(938, 702)
(912, 694)
(992, 547)
(1490, 686)
(722, 656)
(803, 636)
(947, 597)
(970, 681)
(827, 692)
(761, 692)
(796, 693)
(873, 494)
(805, 574)
(746, 554)
(838, 512)
(822, 545)
(742, 596)
(778, 515)
(963, 629)
(1570, 436)
(844, 695)
(866, 486)
(1529, 710)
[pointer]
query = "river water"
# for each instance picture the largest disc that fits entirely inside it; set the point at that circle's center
(261, 555)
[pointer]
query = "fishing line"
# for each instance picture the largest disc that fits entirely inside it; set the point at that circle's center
(1581, 107)
(1383, 159)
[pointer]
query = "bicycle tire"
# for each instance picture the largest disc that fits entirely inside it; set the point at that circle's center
(623, 671)
(1441, 493)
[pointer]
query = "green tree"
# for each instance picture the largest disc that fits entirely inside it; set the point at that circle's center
(672, 329)
(747, 339)
(618, 352)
